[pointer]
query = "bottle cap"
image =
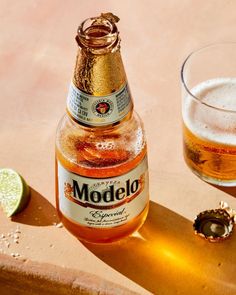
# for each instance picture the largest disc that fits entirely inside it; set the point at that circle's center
(215, 225)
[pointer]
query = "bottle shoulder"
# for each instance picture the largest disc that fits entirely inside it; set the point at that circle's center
(132, 123)
(101, 148)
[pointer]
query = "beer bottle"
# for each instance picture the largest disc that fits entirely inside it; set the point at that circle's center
(101, 163)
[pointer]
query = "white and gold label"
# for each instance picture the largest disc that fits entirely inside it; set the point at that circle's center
(98, 110)
(103, 203)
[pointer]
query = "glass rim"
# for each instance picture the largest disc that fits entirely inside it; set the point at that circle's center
(184, 81)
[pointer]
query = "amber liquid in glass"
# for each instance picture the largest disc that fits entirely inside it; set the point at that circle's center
(208, 158)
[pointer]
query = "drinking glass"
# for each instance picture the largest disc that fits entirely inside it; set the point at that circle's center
(208, 78)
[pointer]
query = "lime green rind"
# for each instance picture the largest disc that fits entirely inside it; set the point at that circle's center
(25, 200)
(14, 192)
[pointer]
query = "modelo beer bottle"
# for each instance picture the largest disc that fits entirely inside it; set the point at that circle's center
(101, 163)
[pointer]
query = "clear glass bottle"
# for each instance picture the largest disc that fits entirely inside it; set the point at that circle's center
(101, 163)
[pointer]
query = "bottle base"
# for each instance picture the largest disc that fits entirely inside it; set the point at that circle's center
(104, 235)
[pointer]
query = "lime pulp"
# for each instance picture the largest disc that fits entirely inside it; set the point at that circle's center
(14, 192)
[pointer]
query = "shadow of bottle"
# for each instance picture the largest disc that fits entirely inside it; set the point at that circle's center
(39, 211)
(165, 257)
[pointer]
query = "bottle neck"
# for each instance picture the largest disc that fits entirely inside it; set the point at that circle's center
(99, 75)
(99, 94)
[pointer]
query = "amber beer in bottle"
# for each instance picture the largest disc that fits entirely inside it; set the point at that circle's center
(101, 156)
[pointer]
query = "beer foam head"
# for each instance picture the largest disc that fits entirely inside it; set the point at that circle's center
(212, 113)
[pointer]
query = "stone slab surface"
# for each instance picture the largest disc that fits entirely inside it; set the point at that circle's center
(37, 55)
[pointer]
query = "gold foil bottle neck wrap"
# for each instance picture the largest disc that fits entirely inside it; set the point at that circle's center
(214, 225)
(99, 69)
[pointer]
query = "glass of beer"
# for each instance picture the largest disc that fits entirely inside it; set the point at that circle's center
(209, 113)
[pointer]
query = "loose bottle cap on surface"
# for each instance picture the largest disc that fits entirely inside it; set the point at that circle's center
(215, 225)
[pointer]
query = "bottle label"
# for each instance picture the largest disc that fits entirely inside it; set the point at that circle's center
(103, 203)
(98, 110)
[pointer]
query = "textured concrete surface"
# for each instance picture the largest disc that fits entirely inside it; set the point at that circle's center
(26, 277)
(37, 54)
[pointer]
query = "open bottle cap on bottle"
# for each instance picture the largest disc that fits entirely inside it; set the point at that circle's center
(215, 225)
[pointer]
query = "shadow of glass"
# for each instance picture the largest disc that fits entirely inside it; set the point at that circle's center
(165, 257)
(228, 190)
(39, 212)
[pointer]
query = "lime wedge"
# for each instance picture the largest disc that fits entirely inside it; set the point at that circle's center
(14, 192)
